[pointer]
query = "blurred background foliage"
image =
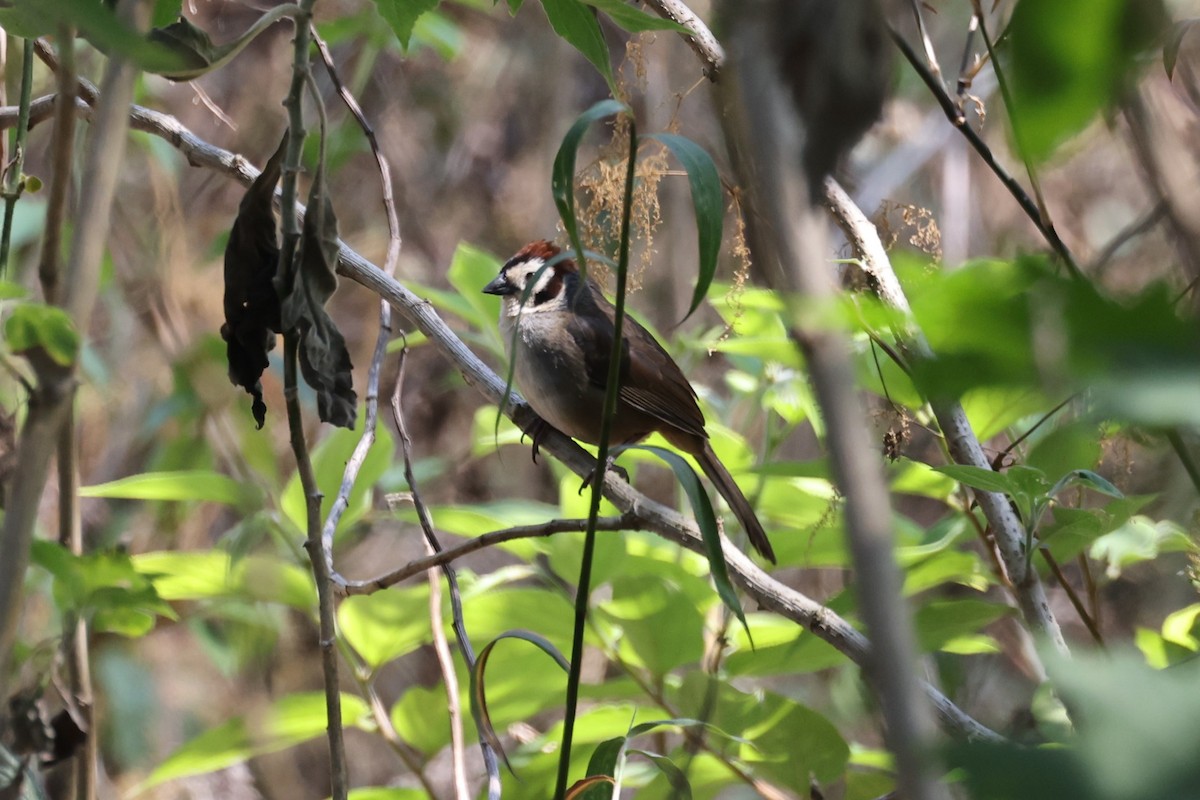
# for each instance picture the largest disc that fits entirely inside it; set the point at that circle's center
(1086, 393)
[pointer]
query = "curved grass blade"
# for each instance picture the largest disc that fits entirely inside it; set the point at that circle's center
(478, 692)
(587, 785)
(708, 202)
(706, 520)
(562, 176)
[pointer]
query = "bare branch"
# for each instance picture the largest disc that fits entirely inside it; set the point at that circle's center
(959, 121)
(625, 522)
(706, 46)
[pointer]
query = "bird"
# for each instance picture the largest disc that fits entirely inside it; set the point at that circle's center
(561, 350)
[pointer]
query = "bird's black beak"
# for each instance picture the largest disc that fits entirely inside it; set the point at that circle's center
(500, 286)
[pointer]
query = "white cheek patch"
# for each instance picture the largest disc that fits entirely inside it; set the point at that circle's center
(527, 270)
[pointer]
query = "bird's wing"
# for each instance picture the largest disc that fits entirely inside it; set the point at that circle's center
(652, 382)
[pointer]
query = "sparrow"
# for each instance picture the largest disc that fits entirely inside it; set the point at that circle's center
(561, 350)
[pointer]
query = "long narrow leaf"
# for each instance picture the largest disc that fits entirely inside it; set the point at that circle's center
(706, 520)
(577, 23)
(707, 201)
(479, 710)
(562, 177)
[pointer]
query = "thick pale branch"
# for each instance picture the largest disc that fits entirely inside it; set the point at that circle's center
(960, 437)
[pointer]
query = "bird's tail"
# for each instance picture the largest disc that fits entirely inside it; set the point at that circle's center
(728, 488)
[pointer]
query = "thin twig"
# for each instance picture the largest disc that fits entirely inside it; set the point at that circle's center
(624, 522)
(1136, 228)
(959, 121)
(75, 631)
(62, 143)
(14, 180)
(930, 54)
(1072, 595)
(408, 755)
(441, 649)
(358, 457)
(769, 593)
(490, 761)
(301, 76)
(967, 70)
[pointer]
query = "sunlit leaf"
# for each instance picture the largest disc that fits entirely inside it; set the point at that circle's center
(633, 19)
(196, 485)
(46, 329)
(292, 719)
(385, 625)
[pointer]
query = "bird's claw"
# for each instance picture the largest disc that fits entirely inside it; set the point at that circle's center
(536, 430)
(609, 465)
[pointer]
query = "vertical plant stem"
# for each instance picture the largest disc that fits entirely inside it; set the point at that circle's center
(328, 633)
(339, 779)
(13, 180)
(50, 401)
(62, 144)
(589, 538)
(75, 632)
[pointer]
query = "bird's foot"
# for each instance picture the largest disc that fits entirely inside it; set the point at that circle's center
(536, 430)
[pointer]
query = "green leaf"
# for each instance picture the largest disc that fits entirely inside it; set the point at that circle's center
(329, 463)
(1070, 59)
(385, 793)
(402, 15)
(706, 521)
(35, 326)
(562, 176)
(104, 588)
(212, 574)
(977, 477)
(576, 23)
(942, 621)
(1111, 694)
(674, 775)
(660, 627)
(708, 203)
(635, 20)
(292, 719)
(385, 625)
(201, 485)
(603, 763)
(1139, 539)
